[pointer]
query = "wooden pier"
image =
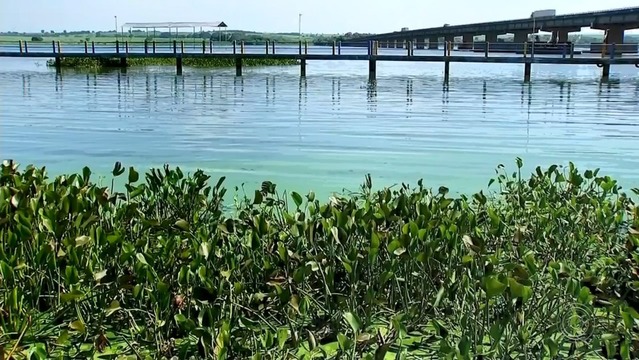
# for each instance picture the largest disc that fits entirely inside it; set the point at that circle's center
(300, 52)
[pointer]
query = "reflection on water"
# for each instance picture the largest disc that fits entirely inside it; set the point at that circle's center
(323, 132)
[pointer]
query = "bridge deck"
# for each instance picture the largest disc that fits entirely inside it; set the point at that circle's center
(351, 57)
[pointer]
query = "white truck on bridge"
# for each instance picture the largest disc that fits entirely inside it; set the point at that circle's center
(543, 13)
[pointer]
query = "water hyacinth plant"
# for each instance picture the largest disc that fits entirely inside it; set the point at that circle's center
(545, 267)
(106, 63)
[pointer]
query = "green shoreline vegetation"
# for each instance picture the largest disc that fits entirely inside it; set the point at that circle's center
(99, 63)
(544, 267)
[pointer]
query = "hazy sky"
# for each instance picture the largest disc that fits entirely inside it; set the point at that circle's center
(325, 16)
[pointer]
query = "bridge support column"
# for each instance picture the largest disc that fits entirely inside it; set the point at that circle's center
(238, 66)
(372, 69)
(467, 42)
(490, 37)
(614, 35)
(520, 37)
(303, 67)
(395, 43)
(527, 68)
(433, 43)
(178, 64)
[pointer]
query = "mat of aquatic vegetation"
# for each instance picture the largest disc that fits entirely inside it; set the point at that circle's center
(544, 265)
(106, 63)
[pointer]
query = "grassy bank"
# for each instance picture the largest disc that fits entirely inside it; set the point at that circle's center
(87, 63)
(547, 268)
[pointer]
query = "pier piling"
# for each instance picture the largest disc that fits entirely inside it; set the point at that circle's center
(123, 62)
(605, 72)
(527, 68)
(117, 46)
(178, 65)
(146, 46)
(86, 47)
(92, 47)
(303, 67)
(238, 66)
(446, 71)
(372, 69)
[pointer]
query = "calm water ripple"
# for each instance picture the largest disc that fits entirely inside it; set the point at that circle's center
(324, 132)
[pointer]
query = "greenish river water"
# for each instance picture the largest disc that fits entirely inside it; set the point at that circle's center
(326, 131)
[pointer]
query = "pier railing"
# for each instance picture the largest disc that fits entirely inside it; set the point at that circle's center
(527, 53)
(399, 48)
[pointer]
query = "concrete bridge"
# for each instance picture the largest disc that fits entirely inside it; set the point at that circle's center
(614, 22)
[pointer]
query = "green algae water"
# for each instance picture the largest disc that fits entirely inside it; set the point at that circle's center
(324, 132)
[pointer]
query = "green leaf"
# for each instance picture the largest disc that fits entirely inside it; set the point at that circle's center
(496, 331)
(141, 258)
(312, 343)
(117, 169)
(344, 342)
(258, 197)
(493, 286)
(113, 307)
(313, 264)
(282, 336)
(82, 240)
(71, 296)
(48, 224)
(133, 175)
(375, 240)
(520, 291)
(439, 296)
(353, 321)
(6, 271)
(205, 249)
(182, 224)
(297, 198)
(99, 275)
(464, 347)
(625, 350)
(551, 347)
(77, 325)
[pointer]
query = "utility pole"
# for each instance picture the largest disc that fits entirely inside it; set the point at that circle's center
(299, 26)
(116, 26)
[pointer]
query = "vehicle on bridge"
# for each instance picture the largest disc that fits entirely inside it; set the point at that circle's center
(543, 13)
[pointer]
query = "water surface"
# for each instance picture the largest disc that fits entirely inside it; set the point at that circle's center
(326, 131)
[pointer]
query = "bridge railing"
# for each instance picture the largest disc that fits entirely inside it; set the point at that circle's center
(381, 48)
